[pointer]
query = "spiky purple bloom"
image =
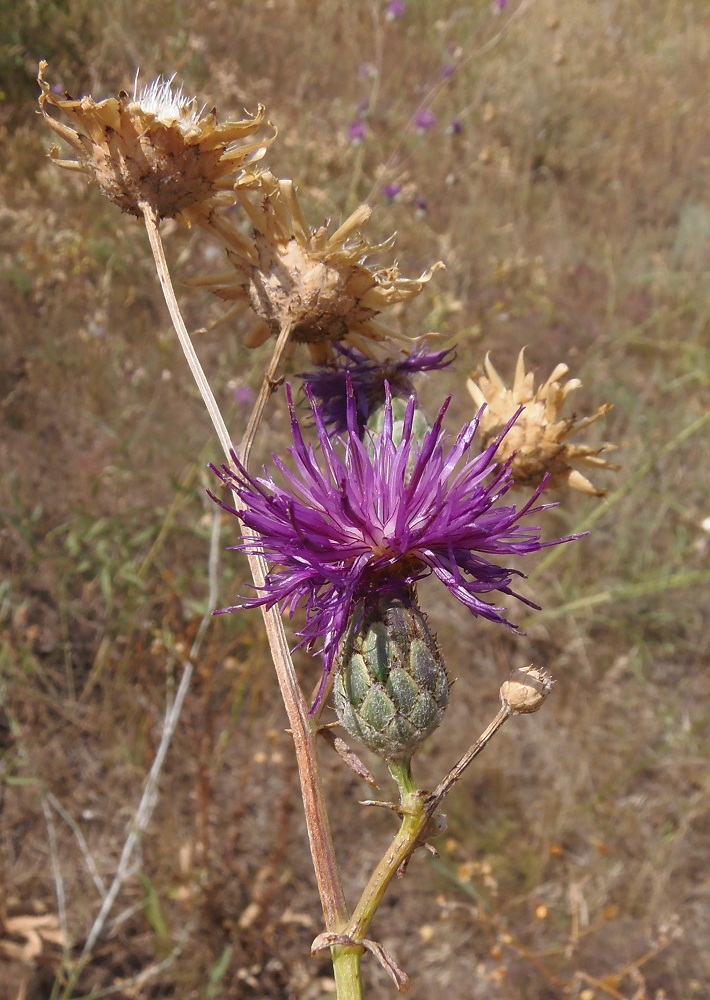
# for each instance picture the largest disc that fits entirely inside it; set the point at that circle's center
(395, 9)
(329, 383)
(358, 523)
(391, 191)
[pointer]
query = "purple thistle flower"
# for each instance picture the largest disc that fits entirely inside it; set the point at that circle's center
(425, 119)
(243, 394)
(356, 524)
(391, 191)
(356, 132)
(328, 385)
(395, 9)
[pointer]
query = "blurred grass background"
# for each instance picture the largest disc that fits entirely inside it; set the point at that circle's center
(564, 184)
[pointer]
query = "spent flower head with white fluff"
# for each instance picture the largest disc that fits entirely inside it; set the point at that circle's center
(366, 520)
(154, 148)
(167, 103)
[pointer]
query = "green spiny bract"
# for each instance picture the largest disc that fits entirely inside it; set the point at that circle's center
(391, 686)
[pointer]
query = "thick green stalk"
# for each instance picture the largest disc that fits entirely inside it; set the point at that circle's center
(346, 968)
(399, 851)
(415, 818)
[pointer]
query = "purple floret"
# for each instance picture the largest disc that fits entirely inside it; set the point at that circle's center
(356, 132)
(328, 383)
(425, 119)
(352, 522)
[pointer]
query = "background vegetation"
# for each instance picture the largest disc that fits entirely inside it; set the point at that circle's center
(564, 184)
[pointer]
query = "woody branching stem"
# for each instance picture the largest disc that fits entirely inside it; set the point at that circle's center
(304, 732)
(267, 387)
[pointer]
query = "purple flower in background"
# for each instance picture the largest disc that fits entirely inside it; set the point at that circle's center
(367, 71)
(500, 5)
(455, 128)
(425, 119)
(356, 132)
(243, 395)
(395, 9)
(351, 521)
(420, 208)
(391, 191)
(328, 385)
(448, 70)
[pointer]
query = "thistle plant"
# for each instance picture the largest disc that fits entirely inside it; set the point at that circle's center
(371, 497)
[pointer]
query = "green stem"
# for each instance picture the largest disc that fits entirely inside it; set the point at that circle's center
(346, 968)
(413, 826)
(401, 771)
(414, 821)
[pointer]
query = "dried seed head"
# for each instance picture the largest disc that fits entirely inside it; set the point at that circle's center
(317, 283)
(525, 690)
(154, 147)
(391, 687)
(538, 439)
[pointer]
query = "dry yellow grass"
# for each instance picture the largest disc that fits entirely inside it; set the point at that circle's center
(570, 208)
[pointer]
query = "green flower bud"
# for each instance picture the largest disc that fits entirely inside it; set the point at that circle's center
(420, 424)
(391, 686)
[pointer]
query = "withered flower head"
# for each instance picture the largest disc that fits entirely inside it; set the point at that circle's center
(153, 148)
(539, 438)
(525, 689)
(319, 284)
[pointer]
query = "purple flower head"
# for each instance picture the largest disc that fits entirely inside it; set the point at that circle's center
(391, 191)
(356, 132)
(455, 128)
(243, 394)
(367, 379)
(448, 70)
(420, 208)
(425, 119)
(347, 524)
(395, 9)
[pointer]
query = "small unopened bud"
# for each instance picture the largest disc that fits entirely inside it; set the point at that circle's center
(525, 690)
